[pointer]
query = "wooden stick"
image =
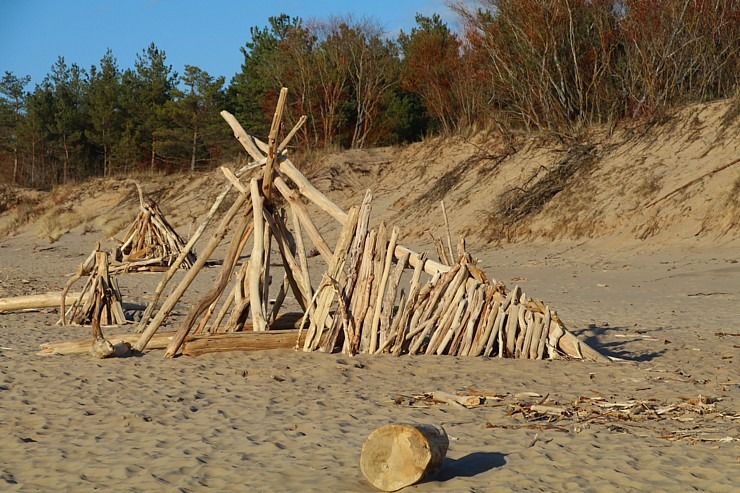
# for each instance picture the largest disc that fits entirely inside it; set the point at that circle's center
(34, 301)
(169, 304)
(302, 260)
(470, 329)
(493, 335)
(544, 334)
(197, 345)
(183, 254)
(272, 146)
(259, 318)
(446, 285)
(245, 139)
(291, 134)
(336, 265)
(234, 180)
(293, 269)
(522, 350)
(456, 322)
(381, 291)
(447, 227)
(310, 192)
(242, 231)
(510, 334)
(389, 301)
(305, 217)
(430, 266)
(448, 318)
(362, 294)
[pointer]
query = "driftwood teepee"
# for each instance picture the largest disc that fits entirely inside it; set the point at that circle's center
(99, 302)
(150, 243)
(360, 304)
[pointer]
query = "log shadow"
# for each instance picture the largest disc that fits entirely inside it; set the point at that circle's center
(470, 465)
(617, 349)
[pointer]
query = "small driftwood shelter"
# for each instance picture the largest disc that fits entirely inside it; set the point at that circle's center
(361, 304)
(150, 242)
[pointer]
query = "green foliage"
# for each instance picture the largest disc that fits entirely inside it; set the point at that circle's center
(556, 66)
(192, 128)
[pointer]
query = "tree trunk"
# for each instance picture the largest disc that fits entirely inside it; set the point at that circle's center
(192, 152)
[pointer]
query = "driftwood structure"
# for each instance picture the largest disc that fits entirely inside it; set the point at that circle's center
(100, 299)
(151, 243)
(362, 303)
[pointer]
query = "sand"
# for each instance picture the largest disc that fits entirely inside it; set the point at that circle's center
(658, 289)
(282, 420)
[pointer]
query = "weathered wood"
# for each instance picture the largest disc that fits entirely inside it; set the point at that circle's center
(473, 325)
(544, 334)
(245, 139)
(375, 327)
(268, 170)
(362, 293)
(573, 347)
(81, 346)
(306, 288)
(318, 320)
(511, 326)
(175, 296)
(240, 341)
(430, 266)
(242, 231)
(305, 218)
(534, 342)
(185, 251)
(398, 455)
(310, 192)
(33, 301)
(259, 317)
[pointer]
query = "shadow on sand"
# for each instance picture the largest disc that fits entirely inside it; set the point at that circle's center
(470, 465)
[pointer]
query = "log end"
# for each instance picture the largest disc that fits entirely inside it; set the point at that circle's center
(399, 455)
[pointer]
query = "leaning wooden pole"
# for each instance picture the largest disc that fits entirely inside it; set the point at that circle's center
(172, 300)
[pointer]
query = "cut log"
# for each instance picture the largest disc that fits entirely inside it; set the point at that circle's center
(399, 455)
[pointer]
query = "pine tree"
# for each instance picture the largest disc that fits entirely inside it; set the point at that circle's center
(12, 87)
(103, 104)
(192, 128)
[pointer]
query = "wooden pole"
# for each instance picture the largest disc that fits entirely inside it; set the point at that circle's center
(172, 300)
(259, 318)
(185, 251)
(272, 146)
(241, 232)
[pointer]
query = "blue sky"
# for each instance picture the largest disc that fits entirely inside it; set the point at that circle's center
(208, 34)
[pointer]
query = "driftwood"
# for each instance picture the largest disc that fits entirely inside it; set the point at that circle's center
(100, 297)
(239, 341)
(399, 455)
(35, 301)
(151, 242)
(361, 304)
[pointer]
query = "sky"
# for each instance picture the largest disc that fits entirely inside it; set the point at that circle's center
(207, 34)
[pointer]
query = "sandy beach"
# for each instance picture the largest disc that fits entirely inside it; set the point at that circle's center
(284, 420)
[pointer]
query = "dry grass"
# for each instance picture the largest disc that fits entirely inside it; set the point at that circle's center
(57, 222)
(518, 204)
